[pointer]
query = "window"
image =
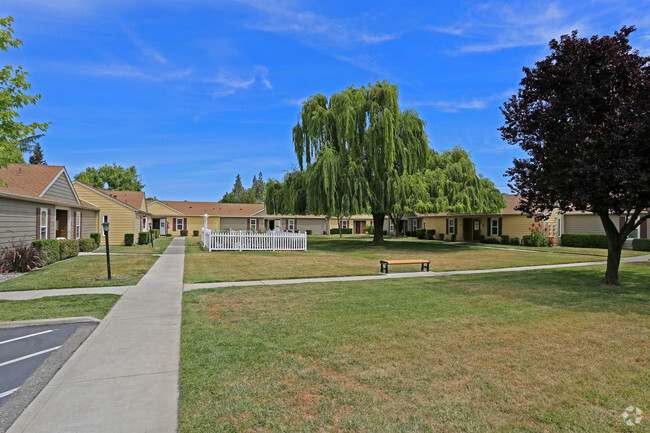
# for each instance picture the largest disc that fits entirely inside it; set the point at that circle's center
(559, 226)
(253, 224)
(494, 226)
(391, 227)
(179, 224)
(345, 224)
(43, 231)
(290, 224)
(451, 226)
(77, 225)
(415, 225)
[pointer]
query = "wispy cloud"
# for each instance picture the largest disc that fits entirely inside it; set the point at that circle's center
(454, 106)
(123, 70)
(497, 26)
(229, 83)
(144, 48)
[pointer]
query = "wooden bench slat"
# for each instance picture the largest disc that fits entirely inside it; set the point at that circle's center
(384, 263)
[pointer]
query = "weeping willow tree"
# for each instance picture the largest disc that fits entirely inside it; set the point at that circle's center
(357, 152)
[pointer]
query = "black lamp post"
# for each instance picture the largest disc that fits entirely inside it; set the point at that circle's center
(108, 257)
(151, 234)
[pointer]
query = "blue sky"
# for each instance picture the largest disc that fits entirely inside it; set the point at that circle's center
(193, 92)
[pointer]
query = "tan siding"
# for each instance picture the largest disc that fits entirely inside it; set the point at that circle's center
(235, 223)
(437, 223)
(193, 223)
(121, 217)
(586, 223)
(161, 210)
(89, 220)
(60, 190)
(18, 220)
(317, 226)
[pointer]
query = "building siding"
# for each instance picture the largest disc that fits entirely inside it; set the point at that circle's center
(160, 210)
(193, 223)
(60, 190)
(89, 223)
(121, 217)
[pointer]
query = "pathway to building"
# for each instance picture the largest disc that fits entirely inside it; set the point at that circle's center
(125, 376)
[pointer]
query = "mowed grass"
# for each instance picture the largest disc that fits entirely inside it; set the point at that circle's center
(83, 271)
(96, 306)
(159, 247)
(535, 351)
(332, 256)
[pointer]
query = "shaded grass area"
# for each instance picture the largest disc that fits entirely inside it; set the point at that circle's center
(54, 307)
(548, 350)
(83, 271)
(331, 256)
(159, 246)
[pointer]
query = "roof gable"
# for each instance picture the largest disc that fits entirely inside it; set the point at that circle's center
(213, 208)
(29, 180)
(132, 199)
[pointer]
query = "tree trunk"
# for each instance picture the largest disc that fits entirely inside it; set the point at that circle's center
(396, 219)
(378, 221)
(339, 219)
(615, 241)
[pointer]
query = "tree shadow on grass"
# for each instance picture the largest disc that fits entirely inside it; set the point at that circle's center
(577, 289)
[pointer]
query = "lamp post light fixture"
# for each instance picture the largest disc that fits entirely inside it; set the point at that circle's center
(105, 226)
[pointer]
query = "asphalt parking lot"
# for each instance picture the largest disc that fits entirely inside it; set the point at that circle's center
(29, 358)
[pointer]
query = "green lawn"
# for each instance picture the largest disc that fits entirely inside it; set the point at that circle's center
(96, 306)
(83, 271)
(332, 256)
(548, 350)
(159, 246)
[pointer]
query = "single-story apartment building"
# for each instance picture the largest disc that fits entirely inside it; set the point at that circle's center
(40, 202)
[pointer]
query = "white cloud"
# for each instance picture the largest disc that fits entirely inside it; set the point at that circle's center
(229, 83)
(145, 49)
(453, 106)
(123, 70)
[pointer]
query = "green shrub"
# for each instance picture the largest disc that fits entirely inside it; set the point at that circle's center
(129, 239)
(86, 245)
(420, 233)
(97, 238)
(308, 232)
(19, 258)
(369, 229)
(335, 231)
(441, 236)
(48, 250)
(584, 240)
(641, 244)
(505, 239)
(453, 237)
(183, 232)
(515, 241)
(68, 248)
(431, 234)
(481, 238)
(144, 238)
(156, 233)
(490, 241)
(195, 232)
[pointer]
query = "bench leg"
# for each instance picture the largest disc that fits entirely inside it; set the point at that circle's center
(427, 267)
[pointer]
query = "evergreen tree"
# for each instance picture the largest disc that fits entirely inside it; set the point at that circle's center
(37, 156)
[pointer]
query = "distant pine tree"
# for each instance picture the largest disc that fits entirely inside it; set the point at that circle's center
(37, 157)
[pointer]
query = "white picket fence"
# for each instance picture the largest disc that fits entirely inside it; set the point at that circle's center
(246, 240)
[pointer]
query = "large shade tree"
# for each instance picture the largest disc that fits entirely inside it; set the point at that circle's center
(112, 177)
(15, 137)
(582, 115)
(357, 151)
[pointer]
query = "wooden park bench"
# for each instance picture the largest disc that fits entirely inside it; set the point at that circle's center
(384, 263)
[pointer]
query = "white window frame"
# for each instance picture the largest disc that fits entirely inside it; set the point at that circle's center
(391, 226)
(252, 223)
(414, 225)
(494, 229)
(43, 229)
(182, 223)
(344, 224)
(291, 224)
(77, 225)
(451, 226)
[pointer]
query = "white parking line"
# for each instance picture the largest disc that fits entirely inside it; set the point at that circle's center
(11, 391)
(26, 336)
(11, 361)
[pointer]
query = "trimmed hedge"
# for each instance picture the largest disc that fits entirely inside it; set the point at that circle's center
(144, 238)
(86, 245)
(420, 233)
(97, 237)
(431, 234)
(308, 232)
(335, 231)
(48, 249)
(490, 241)
(156, 233)
(195, 232)
(183, 232)
(129, 239)
(584, 240)
(68, 248)
(641, 244)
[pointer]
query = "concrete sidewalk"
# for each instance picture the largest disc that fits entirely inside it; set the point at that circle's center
(124, 377)
(198, 286)
(24, 295)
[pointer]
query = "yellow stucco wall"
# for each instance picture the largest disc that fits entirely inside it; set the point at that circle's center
(193, 223)
(122, 219)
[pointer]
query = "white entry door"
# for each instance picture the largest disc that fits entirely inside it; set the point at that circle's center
(163, 226)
